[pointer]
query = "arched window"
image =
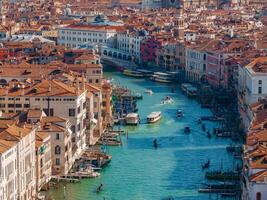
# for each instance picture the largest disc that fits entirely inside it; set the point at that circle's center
(57, 149)
(258, 196)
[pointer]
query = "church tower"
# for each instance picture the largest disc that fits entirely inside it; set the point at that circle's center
(179, 24)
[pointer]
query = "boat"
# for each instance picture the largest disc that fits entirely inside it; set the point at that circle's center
(154, 117)
(109, 142)
(212, 118)
(208, 134)
(203, 127)
(138, 96)
(167, 100)
(191, 91)
(146, 73)
(185, 86)
(132, 119)
(179, 113)
(206, 165)
(99, 188)
(187, 129)
(155, 143)
(133, 73)
(148, 91)
(220, 175)
(162, 77)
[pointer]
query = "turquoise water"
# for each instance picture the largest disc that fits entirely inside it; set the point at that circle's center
(140, 172)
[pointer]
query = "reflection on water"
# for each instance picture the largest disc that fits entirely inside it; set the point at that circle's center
(172, 171)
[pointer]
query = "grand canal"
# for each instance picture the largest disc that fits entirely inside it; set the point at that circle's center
(140, 172)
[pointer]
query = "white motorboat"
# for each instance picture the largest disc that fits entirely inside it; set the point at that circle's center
(132, 119)
(148, 91)
(167, 100)
(154, 117)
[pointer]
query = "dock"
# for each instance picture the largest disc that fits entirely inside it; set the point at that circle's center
(65, 179)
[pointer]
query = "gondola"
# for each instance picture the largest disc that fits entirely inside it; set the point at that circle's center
(206, 165)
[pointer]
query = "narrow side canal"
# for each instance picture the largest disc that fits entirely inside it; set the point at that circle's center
(172, 171)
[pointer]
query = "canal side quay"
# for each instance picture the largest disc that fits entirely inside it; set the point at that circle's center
(154, 160)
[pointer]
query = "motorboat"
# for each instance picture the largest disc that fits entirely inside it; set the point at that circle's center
(148, 91)
(132, 119)
(154, 117)
(133, 73)
(179, 113)
(187, 129)
(162, 77)
(167, 100)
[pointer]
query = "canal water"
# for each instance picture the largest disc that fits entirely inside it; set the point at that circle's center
(173, 171)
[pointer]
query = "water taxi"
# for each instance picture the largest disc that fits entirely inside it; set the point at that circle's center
(146, 73)
(132, 119)
(133, 73)
(162, 77)
(154, 117)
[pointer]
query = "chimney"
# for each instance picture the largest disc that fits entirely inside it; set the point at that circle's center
(20, 133)
(265, 179)
(83, 83)
(49, 88)
(77, 88)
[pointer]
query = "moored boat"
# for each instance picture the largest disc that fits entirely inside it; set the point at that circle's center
(146, 73)
(133, 73)
(154, 117)
(132, 119)
(162, 77)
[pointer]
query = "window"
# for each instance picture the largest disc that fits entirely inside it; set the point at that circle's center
(79, 127)
(79, 110)
(18, 105)
(96, 81)
(260, 82)
(258, 196)
(260, 90)
(57, 136)
(10, 105)
(50, 113)
(73, 128)
(84, 105)
(57, 150)
(57, 161)
(71, 112)
(41, 162)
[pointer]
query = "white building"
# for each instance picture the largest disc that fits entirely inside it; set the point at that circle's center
(130, 43)
(25, 182)
(8, 175)
(195, 64)
(252, 82)
(99, 32)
